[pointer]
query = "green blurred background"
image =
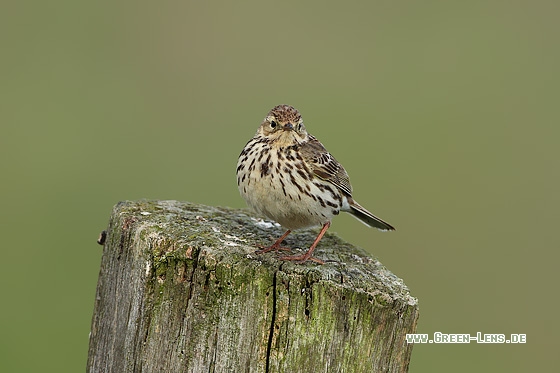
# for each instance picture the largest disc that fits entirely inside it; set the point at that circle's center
(444, 113)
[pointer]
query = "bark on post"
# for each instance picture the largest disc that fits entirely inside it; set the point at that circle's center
(181, 290)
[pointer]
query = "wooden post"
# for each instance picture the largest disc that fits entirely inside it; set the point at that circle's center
(181, 290)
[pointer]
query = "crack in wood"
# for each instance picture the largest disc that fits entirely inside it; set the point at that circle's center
(272, 323)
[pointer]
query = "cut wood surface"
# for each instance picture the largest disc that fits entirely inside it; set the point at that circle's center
(181, 290)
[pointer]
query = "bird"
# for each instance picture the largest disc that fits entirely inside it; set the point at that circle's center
(287, 175)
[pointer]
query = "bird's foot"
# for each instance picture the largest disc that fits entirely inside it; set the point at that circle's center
(273, 247)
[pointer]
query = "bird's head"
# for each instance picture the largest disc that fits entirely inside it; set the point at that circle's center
(283, 125)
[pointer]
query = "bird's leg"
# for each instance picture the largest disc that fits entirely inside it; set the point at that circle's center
(274, 246)
(307, 255)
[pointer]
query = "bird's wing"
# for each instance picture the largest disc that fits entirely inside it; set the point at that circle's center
(324, 165)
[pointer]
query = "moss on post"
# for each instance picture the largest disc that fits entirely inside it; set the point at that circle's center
(181, 290)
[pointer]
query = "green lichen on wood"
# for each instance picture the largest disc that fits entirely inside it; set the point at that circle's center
(181, 290)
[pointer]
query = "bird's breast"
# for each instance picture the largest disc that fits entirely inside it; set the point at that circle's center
(278, 183)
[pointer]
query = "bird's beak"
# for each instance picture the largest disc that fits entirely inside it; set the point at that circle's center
(288, 126)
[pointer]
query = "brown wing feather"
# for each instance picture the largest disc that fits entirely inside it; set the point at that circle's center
(325, 166)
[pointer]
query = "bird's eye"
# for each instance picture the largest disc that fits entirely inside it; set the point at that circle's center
(273, 124)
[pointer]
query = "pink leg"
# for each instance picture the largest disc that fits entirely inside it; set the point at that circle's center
(307, 255)
(275, 245)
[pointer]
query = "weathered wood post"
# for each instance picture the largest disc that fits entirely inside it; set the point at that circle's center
(181, 290)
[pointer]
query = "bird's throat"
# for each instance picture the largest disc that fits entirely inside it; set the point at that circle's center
(286, 139)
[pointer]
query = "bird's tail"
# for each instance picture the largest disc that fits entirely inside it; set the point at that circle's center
(367, 217)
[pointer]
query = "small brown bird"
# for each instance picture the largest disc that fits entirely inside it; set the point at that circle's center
(287, 175)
